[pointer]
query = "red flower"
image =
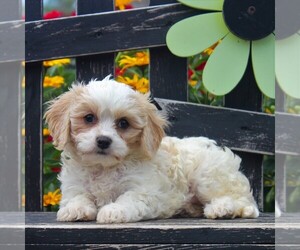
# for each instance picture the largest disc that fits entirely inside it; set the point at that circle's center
(201, 66)
(119, 72)
(73, 13)
(49, 138)
(128, 7)
(53, 14)
(56, 169)
(190, 73)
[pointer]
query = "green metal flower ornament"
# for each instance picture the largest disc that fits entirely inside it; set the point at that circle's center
(243, 27)
(287, 65)
(287, 47)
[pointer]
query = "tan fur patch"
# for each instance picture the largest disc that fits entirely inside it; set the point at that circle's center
(153, 132)
(82, 108)
(58, 116)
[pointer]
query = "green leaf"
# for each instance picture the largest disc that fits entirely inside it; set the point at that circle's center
(195, 34)
(269, 202)
(60, 69)
(134, 70)
(52, 71)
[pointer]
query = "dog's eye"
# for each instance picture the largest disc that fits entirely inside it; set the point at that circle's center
(123, 123)
(90, 118)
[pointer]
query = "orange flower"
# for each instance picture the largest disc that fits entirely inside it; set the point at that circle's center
(23, 200)
(23, 82)
(52, 198)
(141, 58)
(192, 83)
(210, 50)
(121, 4)
(139, 84)
(57, 62)
(54, 82)
(46, 132)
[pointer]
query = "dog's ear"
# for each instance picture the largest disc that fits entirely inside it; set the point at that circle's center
(153, 132)
(58, 117)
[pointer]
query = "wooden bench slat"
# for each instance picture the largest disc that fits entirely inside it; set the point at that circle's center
(43, 228)
(251, 166)
(237, 129)
(12, 41)
(246, 95)
(96, 33)
(94, 66)
(168, 75)
(33, 122)
(155, 246)
(34, 137)
(287, 133)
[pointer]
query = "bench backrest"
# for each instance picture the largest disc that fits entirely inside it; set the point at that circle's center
(93, 40)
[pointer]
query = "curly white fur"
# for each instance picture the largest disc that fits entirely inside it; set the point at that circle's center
(142, 174)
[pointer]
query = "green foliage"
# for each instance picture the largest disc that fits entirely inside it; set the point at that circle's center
(268, 105)
(269, 183)
(65, 6)
(51, 155)
(292, 105)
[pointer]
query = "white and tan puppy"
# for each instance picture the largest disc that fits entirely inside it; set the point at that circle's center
(118, 166)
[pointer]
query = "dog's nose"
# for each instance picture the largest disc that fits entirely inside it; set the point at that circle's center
(103, 142)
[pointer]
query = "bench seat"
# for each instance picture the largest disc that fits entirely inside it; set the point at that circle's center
(42, 231)
(179, 233)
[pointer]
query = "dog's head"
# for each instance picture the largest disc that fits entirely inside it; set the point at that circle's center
(105, 122)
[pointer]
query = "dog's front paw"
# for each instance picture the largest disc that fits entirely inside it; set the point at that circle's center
(112, 213)
(75, 212)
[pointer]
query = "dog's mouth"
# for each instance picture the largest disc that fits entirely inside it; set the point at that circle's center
(102, 157)
(102, 152)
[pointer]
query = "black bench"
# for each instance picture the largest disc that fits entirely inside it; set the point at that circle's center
(240, 126)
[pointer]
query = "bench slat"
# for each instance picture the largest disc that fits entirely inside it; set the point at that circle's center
(96, 33)
(94, 66)
(156, 246)
(43, 228)
(237, 129)
(287, 133)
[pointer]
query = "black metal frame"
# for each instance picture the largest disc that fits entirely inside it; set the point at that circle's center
(93, 40)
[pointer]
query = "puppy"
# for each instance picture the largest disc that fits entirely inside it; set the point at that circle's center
(118, 166)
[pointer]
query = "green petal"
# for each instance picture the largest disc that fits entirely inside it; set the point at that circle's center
(195, 34)
(226, 65)
(204, 4)
(263, 63)
(287, 65)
